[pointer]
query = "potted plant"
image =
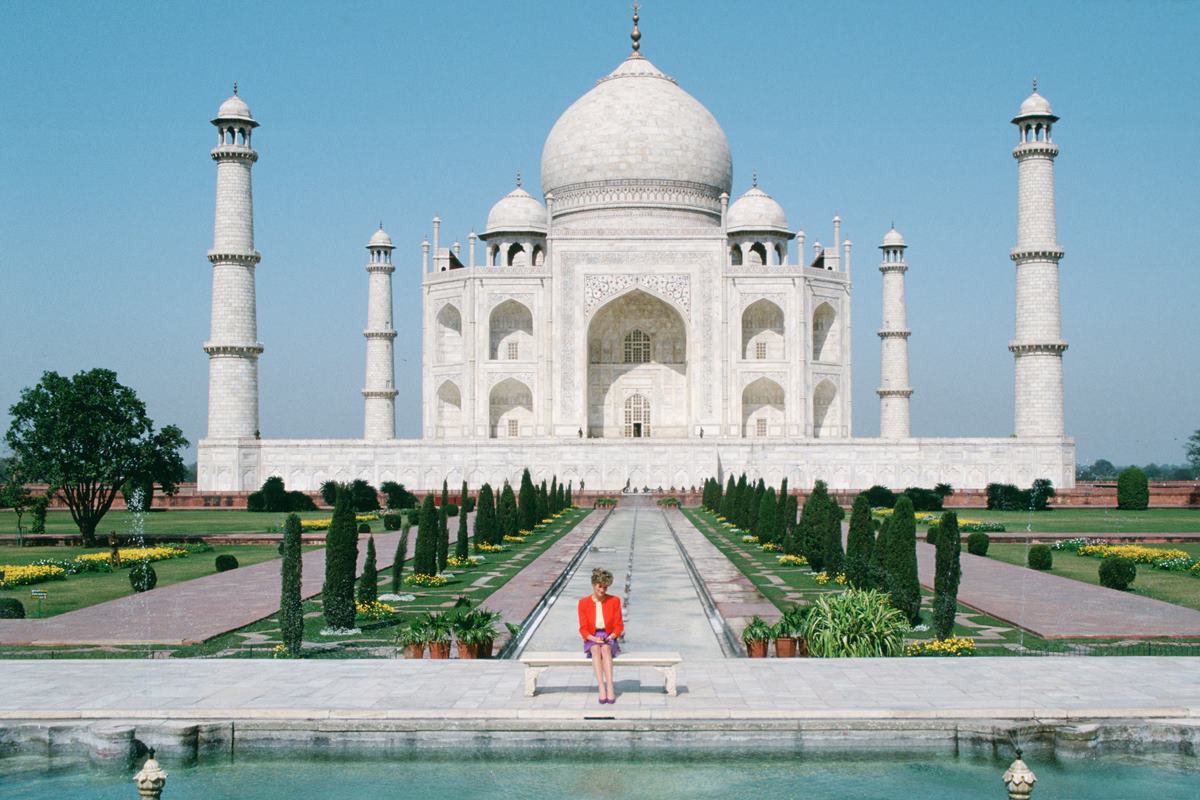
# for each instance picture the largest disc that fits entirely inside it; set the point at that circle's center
(756, 636)
(475, 631)
(785, 645)
(438, 628)
(413, 640)
(791, 626)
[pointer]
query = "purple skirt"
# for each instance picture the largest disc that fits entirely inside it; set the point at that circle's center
(588, 644)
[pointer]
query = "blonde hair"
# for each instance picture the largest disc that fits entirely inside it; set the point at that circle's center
(601, 577)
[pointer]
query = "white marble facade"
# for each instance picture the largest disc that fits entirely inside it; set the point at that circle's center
(636, 327)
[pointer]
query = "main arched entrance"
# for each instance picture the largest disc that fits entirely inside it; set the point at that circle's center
(637, 350)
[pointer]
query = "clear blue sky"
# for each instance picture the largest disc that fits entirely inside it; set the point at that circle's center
(399, 111)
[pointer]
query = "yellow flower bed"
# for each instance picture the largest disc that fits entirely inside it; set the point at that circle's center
(23, 575)
(524, 533)
(792, 561)
(428, 581)
(953, 646)
(750, 539)
(131, 554)
(491, 548)
(459, 563)
(516, 539)
(323, 523)
(374, 611)
(1139, 553)
(823, 578)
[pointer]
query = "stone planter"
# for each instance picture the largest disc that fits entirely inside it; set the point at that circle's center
(785, 647)
(468, 651)
(414, 651)
(439, 649)
(484, 649)
(757, 648)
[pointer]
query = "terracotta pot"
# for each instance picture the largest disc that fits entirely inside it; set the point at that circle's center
(414, 650)
(439, 649)
(801, 647)
(785, 647)
(757, 648)
(468, 650)
(484, 649)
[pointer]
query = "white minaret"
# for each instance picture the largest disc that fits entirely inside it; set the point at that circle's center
(1038, 345)
(893, 390)
(379, 390)
(233, 346)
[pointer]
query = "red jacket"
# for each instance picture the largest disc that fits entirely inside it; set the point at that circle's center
(613, 623)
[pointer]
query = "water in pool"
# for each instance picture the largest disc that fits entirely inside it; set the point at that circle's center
(929, 777)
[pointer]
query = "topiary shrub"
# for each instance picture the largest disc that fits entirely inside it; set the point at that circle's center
(1040, 557)
(300, 501)
(451, 510)
(11, 608)
(392, 522)
(364, 527)
(931, 534)
(469, 505)
(977, 544)
(1133, 490)
(1005, 497)
(142, 577)
(226, 562)
(881, 497)
(1117, 572)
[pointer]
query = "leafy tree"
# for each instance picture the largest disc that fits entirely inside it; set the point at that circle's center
(462, 546)
(860, 544)
(274, 494)
(14, 495)
(341, 559)
(291, 604)
(368, 584)
(947, 574)
(811, 528)
(507, 514)
(400, 557)
(881, 497)
(766, 516)
(38, 507)
(485, 517)
(900, 560)
(329, 490)
(397, 496)
(86, 436)
(1040, 494)
(425, 557)
(1133, 490)
(1193, 450)
(527, 503)
(364, 496)
(924, 499)
(943, 490)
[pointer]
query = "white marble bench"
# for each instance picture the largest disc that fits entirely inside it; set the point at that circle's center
(537, 663)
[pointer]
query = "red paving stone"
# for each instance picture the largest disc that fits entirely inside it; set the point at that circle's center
(1059, 608)
(188, 612)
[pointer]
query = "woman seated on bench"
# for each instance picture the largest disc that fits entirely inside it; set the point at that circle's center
(600, 626)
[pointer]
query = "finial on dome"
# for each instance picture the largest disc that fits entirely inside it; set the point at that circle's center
(518, 179)
(235, 87)
(1035, 84)
(636, 35)
(380, 224)
(754, 178)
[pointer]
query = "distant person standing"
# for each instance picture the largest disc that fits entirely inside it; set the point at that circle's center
(601, 626)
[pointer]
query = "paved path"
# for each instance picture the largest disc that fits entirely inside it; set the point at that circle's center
(187, 612)
(661, 608)
(739, 689)
(1058, 608)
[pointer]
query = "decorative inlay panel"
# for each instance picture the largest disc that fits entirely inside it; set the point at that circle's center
(673, 287)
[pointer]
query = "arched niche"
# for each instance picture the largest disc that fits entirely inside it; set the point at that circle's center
(510, 409)
(762, 331)
(449, 334)
(510, 332)
(762, 409)
(826, 414)
(449, 410)
(824, 333)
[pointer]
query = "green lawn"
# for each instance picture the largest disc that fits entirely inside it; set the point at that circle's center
(1171, 587)
(89, 588)
(1091, 520)
(180, 521)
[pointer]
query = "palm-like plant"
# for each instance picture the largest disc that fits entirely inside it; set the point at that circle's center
(854, 624)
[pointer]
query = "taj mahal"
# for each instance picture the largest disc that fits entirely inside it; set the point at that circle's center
(636, 326)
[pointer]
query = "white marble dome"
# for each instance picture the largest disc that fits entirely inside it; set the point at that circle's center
(234, 108)
(1035, 106)
(756, 211)
(893, 238)
(380, 239)
(517, 211)
(636, 124)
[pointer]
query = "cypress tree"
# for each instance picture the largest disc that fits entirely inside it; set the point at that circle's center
(946, 576)
(811, 528)
(766, 516)
(485, 516)
(781, 512)
(900, 561)
(860, 544)
(368, 584)
(527, 503)
(554, 506)
(425, 557)
(462, 546)
(443, 540)
(756, 496)
(729, 498)
(790, 508)
(291, 604)
(400, 557)
(878, 569)
(506, 513)
(543, 503)
(741, 513)
(831, 542)
(341, 555)
(570, 494)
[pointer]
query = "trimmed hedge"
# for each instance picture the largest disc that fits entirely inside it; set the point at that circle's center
(1117, 572)
(1133, 490)
(1040, 557)
(364, 527)
(11, 608)
(226, 562)
(142, 577)
(881, 497)
(977, 544)
(392, 522)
